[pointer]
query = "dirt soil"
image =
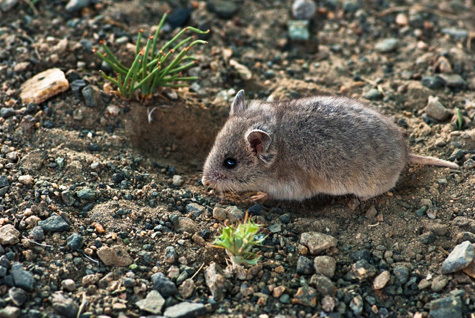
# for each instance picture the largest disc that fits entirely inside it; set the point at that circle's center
(128, 193)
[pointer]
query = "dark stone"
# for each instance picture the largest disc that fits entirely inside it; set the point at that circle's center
(433, 82)
(37, 234)
(446, 307)
(54, 223)
(304, 266)
(74, 242)
(18, 296)
(163, 285)
(92, 96)
(179, 17)
(22, 278)
(224, 9)
(6, 112)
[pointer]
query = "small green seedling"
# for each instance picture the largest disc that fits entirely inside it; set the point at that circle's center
(459, 122)
(153, 66)
(240, 241)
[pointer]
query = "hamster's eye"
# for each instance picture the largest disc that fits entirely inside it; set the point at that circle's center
(230, 163)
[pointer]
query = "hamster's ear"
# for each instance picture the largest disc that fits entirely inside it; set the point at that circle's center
(239, 103)
(260, 142)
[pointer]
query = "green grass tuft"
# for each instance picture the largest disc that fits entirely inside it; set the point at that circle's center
(153, 66)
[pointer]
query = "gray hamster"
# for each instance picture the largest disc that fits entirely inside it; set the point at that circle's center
(294, 150)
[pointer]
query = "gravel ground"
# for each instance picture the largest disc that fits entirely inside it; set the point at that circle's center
(101, 216)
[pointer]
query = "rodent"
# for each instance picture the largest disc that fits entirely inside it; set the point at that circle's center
(296, 149)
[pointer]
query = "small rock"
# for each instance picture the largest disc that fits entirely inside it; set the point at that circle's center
(298, 30)
(381, 280)
(178, 180)
(469, 270)
(363, 270)
(215, 281)
(446, 307)
(163, 285)
(22, 278)
(9, 235)
(459, 34)
(64, 306)
(186, 224)
(432, 82)
(306, 296)
(170, 255)
(325, 265)
(387, 45)
(453, 80)
(86, 194)
(323, 284)
(6, 5)
(179, 17)
(54, 223)
(26, 179)
(92, 96)
(465, 236)
(304, 266)
(43, 86)
(10, 312)
(241, 69)
(436, 110)
(317, 242)
(68, 285)
(234, 213)
(373, 94)
(401, 272)
(152, 303)
(224, 9)
(187, 288)
(185, 310)
(37, 234)
(439, 283)
(356, 304)
(402, 19)
(116, 255)
(18, 296)
(76, 5)
(328, 303)
(219, 214)
(6, 112)
(303, 9)
(195, 208)
(460, 257)
(74, 241)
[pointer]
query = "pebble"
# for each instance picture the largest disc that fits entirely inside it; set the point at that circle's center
(323, 284)
(185, 310)
(76, 5)
(446, 307)
(170, 255)
(219, 214)
(26, 179)
(325, 265)
(64, 306)
(215, 281)
(306, 296)
(363, 270)
(22, 278)
(460, 257)
(402, 19)
(163, 285)
(195, 208)
(328, 303)
(6, 112)
(18, 296)
(9, 235)
(92, 96)
(356, 304)
(234, 213)
(303, 9)
(6, 5)
(401, 272)
(298, 30)
(373, 94)
(68, 285)
(54, 223)
(439, 283)
(10, 312)
(243, 71)
(459, 34)
(74, 242)
(436, 110)
(178, 180)
(116, 255)
(37, 234)
(179, 17)
(86, 194)
(381, 280)
(387, 45)
(453, 80)
(317, 242)
(152, 303)
(432, 82)
(304, 266)
(43, 86)
(224, 9)
(187, 288)
(186, 224)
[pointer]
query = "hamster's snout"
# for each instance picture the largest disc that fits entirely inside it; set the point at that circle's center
(205, 181)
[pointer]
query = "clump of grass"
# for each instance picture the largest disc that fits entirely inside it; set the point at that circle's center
(153, 66)
(239, 242)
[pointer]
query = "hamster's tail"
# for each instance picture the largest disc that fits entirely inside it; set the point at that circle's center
(423, 160)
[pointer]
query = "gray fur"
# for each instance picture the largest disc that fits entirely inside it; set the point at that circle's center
(331, 145)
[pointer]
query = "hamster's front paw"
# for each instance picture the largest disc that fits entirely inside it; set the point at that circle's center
(260, 196)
